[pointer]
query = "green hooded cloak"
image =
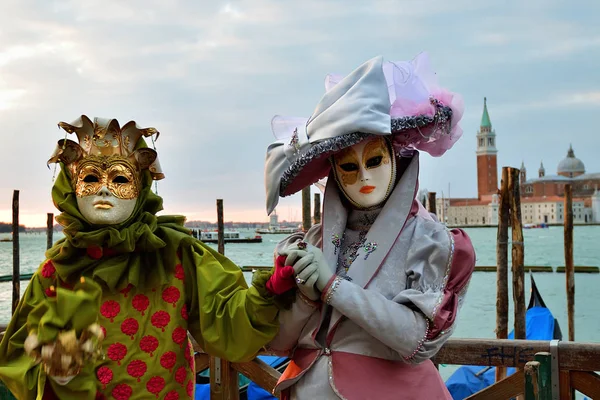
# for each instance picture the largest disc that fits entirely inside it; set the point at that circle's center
(149, 283)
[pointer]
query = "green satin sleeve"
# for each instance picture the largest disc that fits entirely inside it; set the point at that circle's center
(227, 319)
(17, 370)
(47, 316)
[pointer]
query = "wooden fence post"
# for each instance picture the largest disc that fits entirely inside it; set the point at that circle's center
(569, 268)
(518, 253)
(223, 378)
(49, 230)
(306, 217)
(532, 378)
(545, 360)
(16, 278)
(317, 210)
(431, 202)
(502, 267)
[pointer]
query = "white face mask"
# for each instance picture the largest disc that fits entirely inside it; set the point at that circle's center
(103, 208)
(366, 172)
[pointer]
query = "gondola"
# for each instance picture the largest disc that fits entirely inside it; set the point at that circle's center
(540, 325)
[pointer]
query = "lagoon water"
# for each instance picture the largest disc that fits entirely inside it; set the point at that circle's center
(478, 315)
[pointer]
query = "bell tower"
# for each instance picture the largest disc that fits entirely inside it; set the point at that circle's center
(487, 167)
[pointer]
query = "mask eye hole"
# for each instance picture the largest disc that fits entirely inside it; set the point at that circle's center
(120, 179)
(349, 167)
(91, 179)
(374, 162)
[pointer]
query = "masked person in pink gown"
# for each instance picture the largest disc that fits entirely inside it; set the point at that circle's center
(380, 282)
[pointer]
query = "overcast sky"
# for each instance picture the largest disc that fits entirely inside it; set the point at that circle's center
(210, 75)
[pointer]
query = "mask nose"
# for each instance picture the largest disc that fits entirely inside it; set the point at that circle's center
(364, 175)
(104, 192)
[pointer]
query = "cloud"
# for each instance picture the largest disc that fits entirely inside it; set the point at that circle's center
(210, 75)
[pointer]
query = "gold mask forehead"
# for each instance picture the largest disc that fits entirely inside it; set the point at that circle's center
(376, 147)
(115, 172)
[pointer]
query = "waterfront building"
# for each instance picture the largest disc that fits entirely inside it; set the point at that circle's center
(542, 198)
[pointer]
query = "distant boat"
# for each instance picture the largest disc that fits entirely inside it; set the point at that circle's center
(275, 228)
(228, 236)
(540, 325)
(535, 226)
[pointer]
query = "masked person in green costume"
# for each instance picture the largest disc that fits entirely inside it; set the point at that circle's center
(107, 313)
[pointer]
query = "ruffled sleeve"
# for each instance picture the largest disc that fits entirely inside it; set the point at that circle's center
(420, 318)
(47, 310)
(438, 289)
(226, 318)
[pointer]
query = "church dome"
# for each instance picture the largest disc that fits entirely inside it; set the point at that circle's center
(571, 165)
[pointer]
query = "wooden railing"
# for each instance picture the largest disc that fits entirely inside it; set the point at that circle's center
(544, 368)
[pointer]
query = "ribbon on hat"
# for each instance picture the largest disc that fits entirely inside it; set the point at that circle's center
(292, 141)
(292, 132)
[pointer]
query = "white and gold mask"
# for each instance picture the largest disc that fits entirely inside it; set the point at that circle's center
(107, 189)
(106, 167)
(365, 172)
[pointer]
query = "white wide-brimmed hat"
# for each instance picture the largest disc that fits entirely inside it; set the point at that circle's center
(397, 99)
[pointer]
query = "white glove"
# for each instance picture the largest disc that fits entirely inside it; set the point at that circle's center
(322, 268)
(306, 277)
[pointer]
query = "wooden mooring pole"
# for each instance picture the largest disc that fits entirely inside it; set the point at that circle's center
(317, 210)
(431, 203)
(16, 277)
(49, 230)
(223, 378)
(502, 267)
(306, 216)
(220, 227)
(518, 253)
(569, 268)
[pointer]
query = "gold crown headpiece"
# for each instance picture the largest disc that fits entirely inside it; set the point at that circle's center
(105, 138)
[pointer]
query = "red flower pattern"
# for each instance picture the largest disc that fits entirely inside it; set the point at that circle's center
(122, 391)
(48, 269)
(171, 295)
(184, 312)
(140, 302)
(155, 385)
(100, 396)
(188, 350)
(50, 292)
(190, 388)
(179, 273)
(126, 290)
(148, 344)
(160, 319)
(168, 360)
(116, 352)
(137, 369)
(105, 376)
(179, 335)
(94, 252)
(172, 395)
(130, 327)
(192, 363)
(110, 309)
(180, 375)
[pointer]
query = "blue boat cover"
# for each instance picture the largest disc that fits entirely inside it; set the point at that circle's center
(465, 381)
